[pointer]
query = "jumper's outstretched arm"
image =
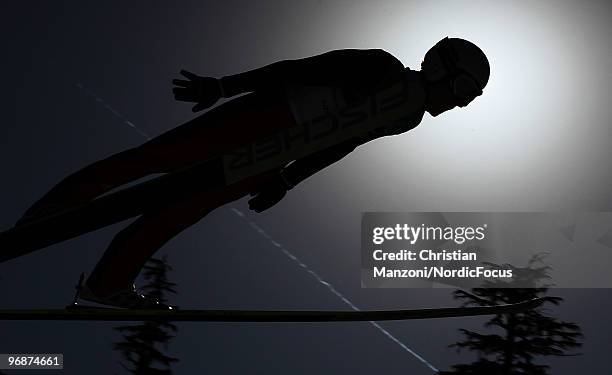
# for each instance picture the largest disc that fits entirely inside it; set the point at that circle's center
(272, 192)
(356, 71)
(303, 168)
(334, 68)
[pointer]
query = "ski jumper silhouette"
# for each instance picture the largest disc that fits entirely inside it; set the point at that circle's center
(281, 95)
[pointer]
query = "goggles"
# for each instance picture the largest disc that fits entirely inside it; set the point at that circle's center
(465, 88)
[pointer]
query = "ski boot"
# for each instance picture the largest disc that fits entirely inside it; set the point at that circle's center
(128, 298)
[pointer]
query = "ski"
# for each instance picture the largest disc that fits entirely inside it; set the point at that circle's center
(90, 313)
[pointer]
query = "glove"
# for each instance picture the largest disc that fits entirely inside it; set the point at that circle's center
(205, 91)
(269, 194)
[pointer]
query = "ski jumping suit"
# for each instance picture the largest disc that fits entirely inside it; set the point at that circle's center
(280, 95)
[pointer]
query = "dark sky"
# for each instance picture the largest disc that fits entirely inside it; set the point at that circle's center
(60, 56)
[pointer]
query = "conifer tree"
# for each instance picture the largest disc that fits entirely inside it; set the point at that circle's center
(516, 341)
(141, 346)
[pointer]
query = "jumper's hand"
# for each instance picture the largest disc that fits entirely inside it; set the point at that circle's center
(202, 90)
(268, 195)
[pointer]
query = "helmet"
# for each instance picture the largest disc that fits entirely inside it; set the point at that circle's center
(459, 61)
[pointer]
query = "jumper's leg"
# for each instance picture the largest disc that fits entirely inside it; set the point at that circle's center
(230, 125)
(130, 249)
(91, 181)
